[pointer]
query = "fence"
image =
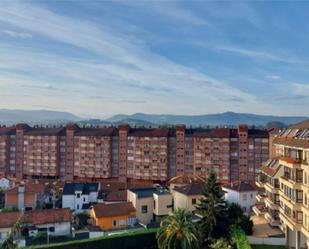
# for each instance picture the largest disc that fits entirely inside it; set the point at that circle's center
(266, 241)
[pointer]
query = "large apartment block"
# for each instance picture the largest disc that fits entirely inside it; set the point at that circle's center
(286, 181)
(127, 153)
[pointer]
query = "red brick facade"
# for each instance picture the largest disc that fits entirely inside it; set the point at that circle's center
(125, 153)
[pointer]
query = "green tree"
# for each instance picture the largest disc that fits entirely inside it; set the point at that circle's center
(82, 219)
(177, 231)
(213, 209)
(236, 217)
(221, 243)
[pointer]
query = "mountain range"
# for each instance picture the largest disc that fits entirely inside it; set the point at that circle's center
(140, 119)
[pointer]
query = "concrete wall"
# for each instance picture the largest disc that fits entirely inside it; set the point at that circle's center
(61, 229)
(163, 204)
(266, 241)
(184, 201)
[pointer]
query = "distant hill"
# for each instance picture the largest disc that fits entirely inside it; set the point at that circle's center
(36, 117)
(226, 118)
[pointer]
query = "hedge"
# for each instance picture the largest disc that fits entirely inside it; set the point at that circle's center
(144, 239)
(240, 239)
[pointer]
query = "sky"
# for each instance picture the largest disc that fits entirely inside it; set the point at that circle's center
(100, 58)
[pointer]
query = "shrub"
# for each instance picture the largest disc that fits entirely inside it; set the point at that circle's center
(239, 238)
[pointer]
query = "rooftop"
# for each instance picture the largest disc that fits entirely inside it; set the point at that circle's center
(185, 179)
(148, 192)
(46, 216)
(191, 189)
(113, 209)
(29, 187)
(85, 188)
(241, 186)
(8, 219)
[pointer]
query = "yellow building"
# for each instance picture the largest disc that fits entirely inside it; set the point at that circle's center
(113, 216)
(289, 182)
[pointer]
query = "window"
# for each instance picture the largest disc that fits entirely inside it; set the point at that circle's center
(122, 222)
(52, 229)
(244, 197)
(193, 201)
(77, 206)
(114, 223)
(78, 195)
(144, 209)
(251, 196)
(84, 199)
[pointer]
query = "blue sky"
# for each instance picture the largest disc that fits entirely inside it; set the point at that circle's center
(99, 58)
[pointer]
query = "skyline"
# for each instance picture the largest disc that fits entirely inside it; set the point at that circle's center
(97, 59)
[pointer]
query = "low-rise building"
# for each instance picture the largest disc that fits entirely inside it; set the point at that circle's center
(113, 216)
(183, 180)
(79, 196)
(112, 196)
(242, 193)
(188, 196)
(25, 196)
(57, 222)
(151, 203)
(7, 221)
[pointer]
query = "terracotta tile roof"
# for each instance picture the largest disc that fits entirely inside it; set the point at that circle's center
(241, 186)
(191, 189)
(271, 167)
(8, 219)
(301, 143)
(114, 209)
(185, 179)
(113, 195)
(46, 216)
(29, 187)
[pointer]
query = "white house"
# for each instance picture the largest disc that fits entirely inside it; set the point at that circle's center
(188, 196)
(5, 183)
(242, 193)
(79, 196)
(57, 222)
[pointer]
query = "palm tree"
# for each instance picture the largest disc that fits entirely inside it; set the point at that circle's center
(177, 231)
(12, 240)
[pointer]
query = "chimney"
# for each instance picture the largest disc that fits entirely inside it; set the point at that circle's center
(21, 197)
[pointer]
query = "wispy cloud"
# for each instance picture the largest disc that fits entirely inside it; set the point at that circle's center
(17, 34)
(273, 77)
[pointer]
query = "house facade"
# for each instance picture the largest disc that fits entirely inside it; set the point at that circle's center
(113, 216)
(79, 196)
(7, 221)
(151, 204)
(242, 193)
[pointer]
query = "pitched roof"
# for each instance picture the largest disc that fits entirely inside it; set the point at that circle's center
(191, 189)
(113, 209)
(271, 167)
(113, 195)
(85, 188)
(8, 219)
(241, 186)
(47, 216)
(29, 188)
(185, 179)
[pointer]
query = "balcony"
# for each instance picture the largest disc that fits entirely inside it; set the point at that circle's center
(290, 162)
(271, 204)
(271, 220)
(259, 209)
(288, 220)
(260, 197)
(270, 188)
(292, 204)
(260, 184)
(290, 183)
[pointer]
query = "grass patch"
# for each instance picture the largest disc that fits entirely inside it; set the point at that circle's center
(101, 241)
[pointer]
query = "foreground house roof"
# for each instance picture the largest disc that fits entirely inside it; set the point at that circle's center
(186, 179)
(114, 209)
(48, 216)
(241, 186)
(8, 219)
(29, 188)
(191, 189)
